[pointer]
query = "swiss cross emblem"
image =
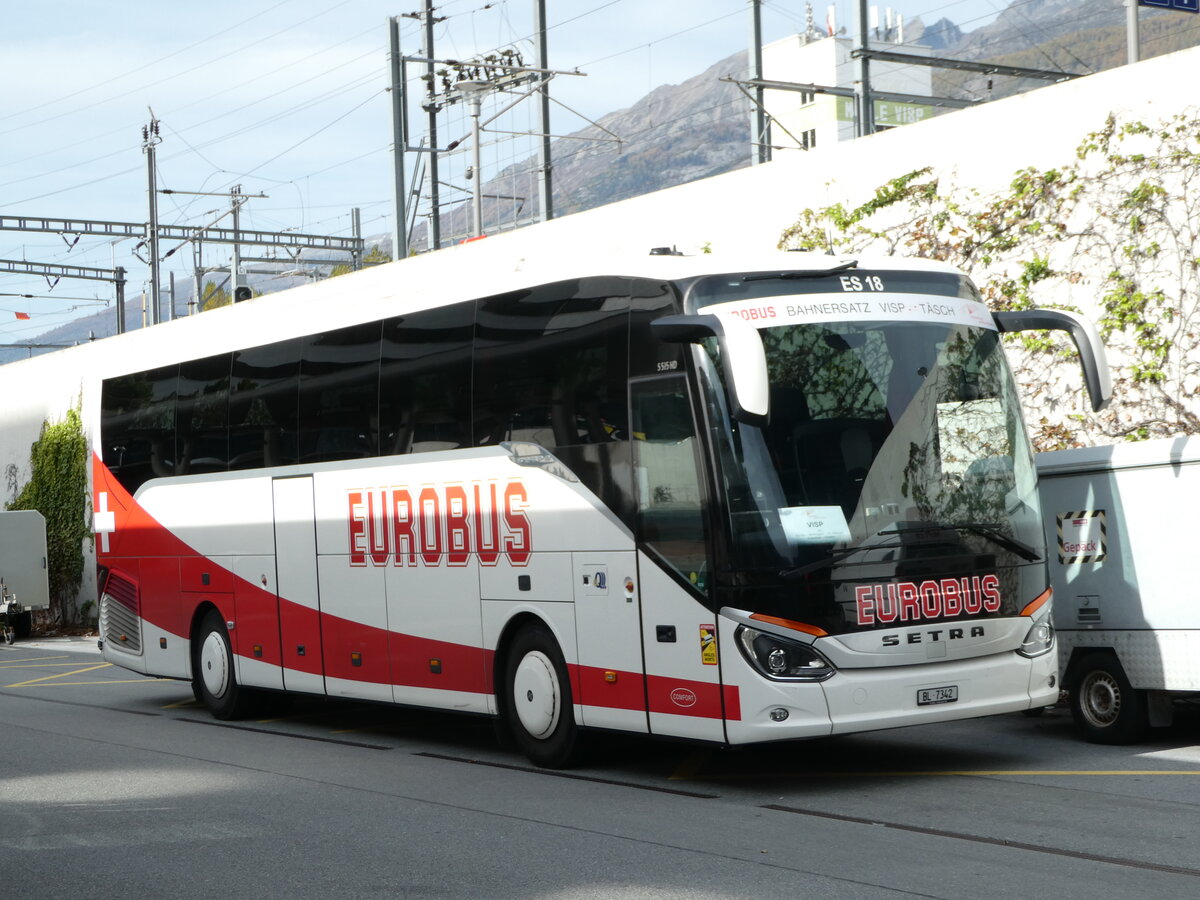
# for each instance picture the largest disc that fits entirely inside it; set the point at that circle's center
(104, 520)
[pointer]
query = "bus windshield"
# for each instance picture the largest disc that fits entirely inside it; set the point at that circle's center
(891, 446)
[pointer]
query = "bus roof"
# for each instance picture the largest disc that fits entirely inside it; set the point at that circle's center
(476, 269)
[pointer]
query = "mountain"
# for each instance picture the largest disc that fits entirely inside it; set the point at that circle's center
(1080, 37)
(941, 34)
(673, 135)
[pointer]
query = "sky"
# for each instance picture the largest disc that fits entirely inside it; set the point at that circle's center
(289, 99)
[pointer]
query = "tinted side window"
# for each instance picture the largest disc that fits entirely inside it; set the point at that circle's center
(339, 394)
(137, 425)
(202, 436)
(425, 380)
(670, 492)
(264, 406)
(551, 364)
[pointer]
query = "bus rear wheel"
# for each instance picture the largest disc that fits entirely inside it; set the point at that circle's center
(214, 681)
(1105, 706)
(538, 704)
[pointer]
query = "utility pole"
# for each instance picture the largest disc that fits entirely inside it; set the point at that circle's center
(1132, 37)
(473, 91)
(760, 135)
(544, 163)
(235, 198)
(119, 280)
(866, 103)
(356, 256)
(399, 141)
(197, 280)
(150, 140)
(435, 222)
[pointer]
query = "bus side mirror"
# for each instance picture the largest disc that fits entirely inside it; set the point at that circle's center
(1083, 333)
(742, 355)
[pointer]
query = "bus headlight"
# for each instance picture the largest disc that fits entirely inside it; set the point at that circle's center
(781, 659)
(1040, 637)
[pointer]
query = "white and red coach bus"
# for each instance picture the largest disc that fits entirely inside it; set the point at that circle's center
(727, 500)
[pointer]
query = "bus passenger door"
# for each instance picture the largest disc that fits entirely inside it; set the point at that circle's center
(296, 584)
(683, 674)
(607, 625)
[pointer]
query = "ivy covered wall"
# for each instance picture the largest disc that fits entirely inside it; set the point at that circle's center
(1113, 233)
(58, 489)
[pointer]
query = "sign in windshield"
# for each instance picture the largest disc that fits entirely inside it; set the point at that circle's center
(856, 307)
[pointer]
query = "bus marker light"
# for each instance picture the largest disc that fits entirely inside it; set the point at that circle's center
(788, 623)
(610, 676)
(162, 643)
(1042, 599)
(258, 651)
(435, 666)
(356, 659)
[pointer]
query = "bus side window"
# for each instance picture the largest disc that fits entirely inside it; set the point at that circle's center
(339, 394)
(264, 406)
(137, 428)
(202, 419)
(425, 381)
(667, 473)
(551, 364)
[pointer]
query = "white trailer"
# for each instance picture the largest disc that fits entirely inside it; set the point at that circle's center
(1123, 564)
(23, 575)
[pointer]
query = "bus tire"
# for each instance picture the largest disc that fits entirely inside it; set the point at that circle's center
(538, 704)
(214, 681)
(1105, 706)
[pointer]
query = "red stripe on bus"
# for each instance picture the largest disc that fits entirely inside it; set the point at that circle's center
(169, 574)
(682, 697)
(626, 690)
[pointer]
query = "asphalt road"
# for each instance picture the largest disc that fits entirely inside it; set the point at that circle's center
(120, 786)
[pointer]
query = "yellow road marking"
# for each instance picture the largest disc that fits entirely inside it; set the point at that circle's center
(689, 767)
(91, 683)
(61, 675)
(29, 664)
(191, 701)
(17, 662)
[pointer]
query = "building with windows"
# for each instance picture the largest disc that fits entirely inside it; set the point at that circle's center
(821, 110)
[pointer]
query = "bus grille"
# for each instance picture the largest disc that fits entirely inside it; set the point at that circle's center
(119, 621)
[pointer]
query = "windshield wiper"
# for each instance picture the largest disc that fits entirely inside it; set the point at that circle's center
(998, 537)
(984, 529)
(834, 557)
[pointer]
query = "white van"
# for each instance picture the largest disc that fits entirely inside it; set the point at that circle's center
(1124, 555)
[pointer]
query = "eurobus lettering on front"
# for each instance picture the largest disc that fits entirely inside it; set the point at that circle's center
(435, 525)
(944, 598)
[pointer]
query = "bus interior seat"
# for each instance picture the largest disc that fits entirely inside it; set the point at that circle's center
(833, 457)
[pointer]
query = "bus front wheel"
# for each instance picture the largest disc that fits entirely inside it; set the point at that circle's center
(1105, 706)
(538, 704)
(214, 681)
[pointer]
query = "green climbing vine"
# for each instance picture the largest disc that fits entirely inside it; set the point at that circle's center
(57, 488)
(1115, 234)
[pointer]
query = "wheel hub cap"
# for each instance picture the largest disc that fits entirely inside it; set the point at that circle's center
(535, 687)
(214, 664)
(1101, 700)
